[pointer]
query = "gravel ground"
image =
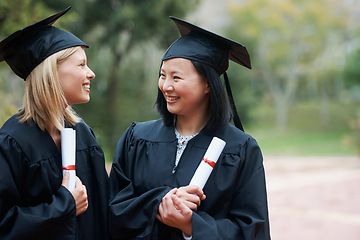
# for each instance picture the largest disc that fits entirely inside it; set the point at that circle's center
(313, 197)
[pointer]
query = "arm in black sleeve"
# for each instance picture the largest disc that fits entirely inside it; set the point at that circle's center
(20, 221)
(131, 213)
(248, 215)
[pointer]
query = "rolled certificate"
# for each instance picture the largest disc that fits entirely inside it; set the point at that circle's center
(208, 162)
(68, 148)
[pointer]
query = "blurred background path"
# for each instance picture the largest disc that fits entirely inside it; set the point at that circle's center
(314, 197)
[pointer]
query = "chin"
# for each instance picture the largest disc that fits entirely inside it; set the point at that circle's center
(80, 101)
(86, 99)
(171, 111)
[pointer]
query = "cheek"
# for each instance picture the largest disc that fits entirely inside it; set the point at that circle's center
(67, 85)
(195, 93)
(65, 76)
(69, 92)
(160, 84)
(71, 84)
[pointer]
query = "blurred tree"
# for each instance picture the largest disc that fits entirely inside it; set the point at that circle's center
(123, 35)
(291, 41)
(352, 69)
(15, 15)
(351, 75)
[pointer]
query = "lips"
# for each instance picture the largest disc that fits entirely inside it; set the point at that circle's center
(172, 98)
(86, 87)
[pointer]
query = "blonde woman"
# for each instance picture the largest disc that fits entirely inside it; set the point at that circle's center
(34, 200)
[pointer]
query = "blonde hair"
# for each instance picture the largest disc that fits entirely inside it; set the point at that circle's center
(44, 100)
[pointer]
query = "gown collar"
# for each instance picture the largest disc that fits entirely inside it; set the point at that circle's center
(156, 131)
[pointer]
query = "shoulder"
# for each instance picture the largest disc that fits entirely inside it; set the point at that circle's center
(20, 131)
(28, 139)
(154, 131)
(9, 132)
(236, 140)
(85, 136)
(83, 128)
(12, 126)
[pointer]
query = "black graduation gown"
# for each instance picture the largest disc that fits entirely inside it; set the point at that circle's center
(33, 203)
(236, 203)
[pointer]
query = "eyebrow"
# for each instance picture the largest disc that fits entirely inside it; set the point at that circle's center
(172, 71)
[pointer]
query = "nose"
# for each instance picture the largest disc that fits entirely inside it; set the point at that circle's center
(90, 74)
(168, 86)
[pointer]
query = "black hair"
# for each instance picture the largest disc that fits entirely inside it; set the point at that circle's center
(220, 112)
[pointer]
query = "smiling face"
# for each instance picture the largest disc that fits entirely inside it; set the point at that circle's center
(74, 76)
(185, 91)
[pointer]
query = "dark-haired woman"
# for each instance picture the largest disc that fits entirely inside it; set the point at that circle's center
(150, 195)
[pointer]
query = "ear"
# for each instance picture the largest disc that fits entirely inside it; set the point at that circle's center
(207, 86)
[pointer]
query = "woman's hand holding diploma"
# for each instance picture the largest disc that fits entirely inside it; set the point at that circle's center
(173, 211)
(79, 194)
(177, 206)
(191, 196)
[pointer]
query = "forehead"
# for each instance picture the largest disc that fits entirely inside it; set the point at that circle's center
(79, 54)
(177, 63)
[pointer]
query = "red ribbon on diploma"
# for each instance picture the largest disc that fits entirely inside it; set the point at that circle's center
(211, 163)
(70, 167)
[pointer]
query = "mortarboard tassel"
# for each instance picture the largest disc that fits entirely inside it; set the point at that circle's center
(237, 121)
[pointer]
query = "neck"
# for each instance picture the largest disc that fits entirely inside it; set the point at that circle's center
(55, 135)
(52, 130)
(188, 126)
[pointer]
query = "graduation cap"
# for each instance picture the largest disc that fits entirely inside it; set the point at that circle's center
(209, 48)
(28, 47)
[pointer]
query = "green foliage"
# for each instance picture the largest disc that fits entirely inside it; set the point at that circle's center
(17, 14)
(292, 43)
(7, 108)
(352, 69)
(297, 48)
(306, 136)
(11, 92)
(245, 92)
(124, 36)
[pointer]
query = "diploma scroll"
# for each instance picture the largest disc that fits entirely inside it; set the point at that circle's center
(208, 162)
(68, 149)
